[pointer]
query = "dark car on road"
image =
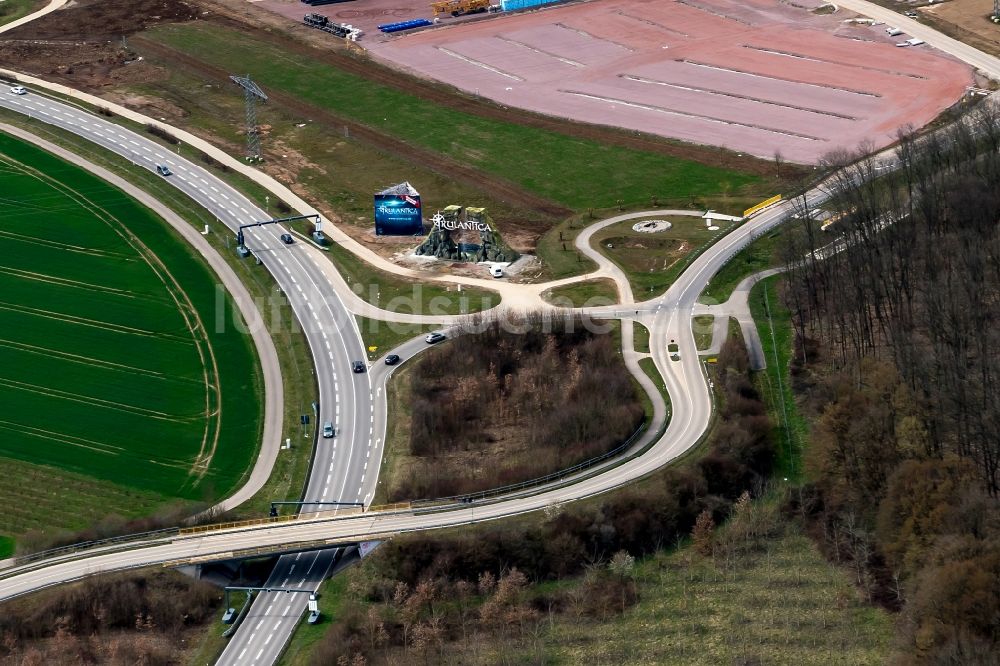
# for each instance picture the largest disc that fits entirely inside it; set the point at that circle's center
(358, 366)
(287, 239)
(392, 359)
(164, 170)
(435, 337)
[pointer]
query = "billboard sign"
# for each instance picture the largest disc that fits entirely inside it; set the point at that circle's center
(398, 215)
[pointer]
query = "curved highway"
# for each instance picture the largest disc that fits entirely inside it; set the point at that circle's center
(342, 466)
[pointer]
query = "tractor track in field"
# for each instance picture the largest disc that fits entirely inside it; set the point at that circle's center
(80, 359)
(501, 189)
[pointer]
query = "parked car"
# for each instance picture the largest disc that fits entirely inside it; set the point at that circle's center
(392, 359)
(313, 617)
(358, 366)
(164, 170)
(328, 429)
(287, 239)
(496, 271)
(435, 337)
(19, 90)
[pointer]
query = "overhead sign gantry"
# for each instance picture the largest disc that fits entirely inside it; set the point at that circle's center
(241, 246)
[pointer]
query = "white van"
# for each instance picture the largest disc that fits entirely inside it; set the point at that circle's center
(496, 271)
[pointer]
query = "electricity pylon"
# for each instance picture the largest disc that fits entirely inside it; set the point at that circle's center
(252, 94)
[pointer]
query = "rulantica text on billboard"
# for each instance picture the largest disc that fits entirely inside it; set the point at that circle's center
(455, 225)
(392, 210)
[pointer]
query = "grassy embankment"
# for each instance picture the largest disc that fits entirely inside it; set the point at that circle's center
(774, 600)
(774, 324)
(702, 326)
(11, 10)
(640, 338)
(577, 173)
(763, 253)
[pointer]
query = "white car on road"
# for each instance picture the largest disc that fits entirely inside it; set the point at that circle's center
(19, 90)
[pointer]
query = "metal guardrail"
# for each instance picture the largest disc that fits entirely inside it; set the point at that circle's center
(396, 506)
(237, 523)
(541, 480)
(86, 545)
(253, 522)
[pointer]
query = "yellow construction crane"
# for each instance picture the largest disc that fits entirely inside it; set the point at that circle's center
(460, 7)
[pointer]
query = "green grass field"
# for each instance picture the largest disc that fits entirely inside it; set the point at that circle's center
(653, 261)
(779, 603)
(114, 360)
(763, 253)
(11, 10)
(589, 293)
(386, 335)
(574, 172)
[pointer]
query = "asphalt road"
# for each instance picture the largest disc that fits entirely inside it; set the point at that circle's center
(342, 466)
(668, 318)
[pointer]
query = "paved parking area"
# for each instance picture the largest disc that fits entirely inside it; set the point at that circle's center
(756, 76)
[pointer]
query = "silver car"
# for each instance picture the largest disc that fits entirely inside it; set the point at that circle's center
(328, 430)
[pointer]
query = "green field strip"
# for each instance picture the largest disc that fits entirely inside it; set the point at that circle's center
(128, 315)
(40, 241)
(157, 354)
(36, 355)
(140, 388)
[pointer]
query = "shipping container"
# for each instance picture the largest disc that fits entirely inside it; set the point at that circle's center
(511, 5)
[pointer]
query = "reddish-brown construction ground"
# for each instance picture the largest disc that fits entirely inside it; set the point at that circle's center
(756, 76)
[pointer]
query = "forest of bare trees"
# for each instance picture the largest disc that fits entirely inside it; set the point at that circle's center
(119, 619)
(895, 311)
(507, 404)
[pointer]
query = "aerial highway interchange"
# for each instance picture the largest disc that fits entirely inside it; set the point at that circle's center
(345, 467)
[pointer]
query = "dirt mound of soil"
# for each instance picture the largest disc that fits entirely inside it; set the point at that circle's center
(97, 21)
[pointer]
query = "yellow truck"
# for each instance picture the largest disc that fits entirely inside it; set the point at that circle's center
(460, 7)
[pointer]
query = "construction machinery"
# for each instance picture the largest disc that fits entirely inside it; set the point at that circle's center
(460, 7)
(321, 22)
